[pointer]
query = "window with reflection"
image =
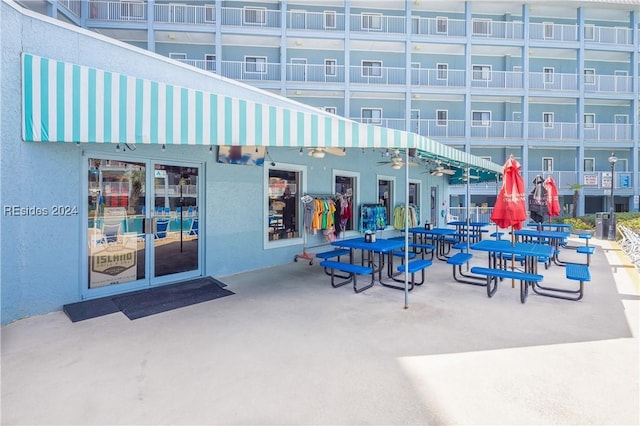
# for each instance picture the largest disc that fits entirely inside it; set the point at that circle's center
(283, 204)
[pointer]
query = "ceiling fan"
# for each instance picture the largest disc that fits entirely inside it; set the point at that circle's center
(466, 177)
(441, 170)
(396, 161)
(320, 152)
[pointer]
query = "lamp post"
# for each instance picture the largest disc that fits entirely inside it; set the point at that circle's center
(612, 208)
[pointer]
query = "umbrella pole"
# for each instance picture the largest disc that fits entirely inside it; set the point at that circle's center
(513, 285)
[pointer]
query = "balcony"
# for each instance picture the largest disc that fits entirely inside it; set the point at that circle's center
(438, 77)
(556, 131)
(439, 27)
(555, 32)
(377, 75)
(560, 82)
(116, 11)
(377, 23)
(608, 84)
(184, 14)
(497, 79)
(315, 21)
(250, 71)
(608, 132)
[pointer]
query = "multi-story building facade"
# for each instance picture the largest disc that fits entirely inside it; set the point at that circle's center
(556, 84)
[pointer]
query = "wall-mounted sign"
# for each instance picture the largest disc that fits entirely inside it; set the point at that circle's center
(590, 179)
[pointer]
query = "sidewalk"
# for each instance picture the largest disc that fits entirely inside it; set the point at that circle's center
(289, 349)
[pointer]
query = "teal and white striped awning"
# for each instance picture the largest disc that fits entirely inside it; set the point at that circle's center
(64, 102)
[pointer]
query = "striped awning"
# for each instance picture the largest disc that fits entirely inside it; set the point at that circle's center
(64, 102)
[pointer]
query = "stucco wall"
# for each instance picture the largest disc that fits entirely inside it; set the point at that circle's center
(42, 255)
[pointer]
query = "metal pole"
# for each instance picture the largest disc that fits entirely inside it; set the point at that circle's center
(612, 208)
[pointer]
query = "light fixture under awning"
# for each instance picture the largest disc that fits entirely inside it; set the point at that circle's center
(64, 102)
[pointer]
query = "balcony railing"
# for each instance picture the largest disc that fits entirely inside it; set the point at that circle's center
(374, 75)
(118, 11)
(315, 73)
(556, 32)
(203, 64)
(249, 17)
(553, 81)
(437, 78)
(185, 13)
(497, 79)
(252, 71)
(608, 132)
(557, 130)
(72, 6)
(608, 83)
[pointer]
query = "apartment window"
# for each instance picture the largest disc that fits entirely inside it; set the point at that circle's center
(371, 115)
(589, 76)
(254, 64)
(371, 69)
(481, 72)
(547, 164)
(283, 202)
(331, 110)
(346, 184)
(329, 19)
(254, 15)
(481, 27)
(443, 71)
(209, 13)
(385, 195)
(548, 29)
(442, 25)
(371, 21)
(330, 67)
(548, 74)
(210, 62)
(481, 118)
(589, 32)
(589, 164)
(547, 119)
(589, 121)
(178, 56)
(442, 117)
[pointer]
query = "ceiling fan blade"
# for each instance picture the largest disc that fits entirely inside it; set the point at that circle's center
(383, 162)
(335, 151)
(448, 171)
(414, 164)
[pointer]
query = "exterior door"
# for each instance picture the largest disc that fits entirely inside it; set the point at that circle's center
(143, 222)
(298, 69)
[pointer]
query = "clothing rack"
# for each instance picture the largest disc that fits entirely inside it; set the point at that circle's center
(310, 197)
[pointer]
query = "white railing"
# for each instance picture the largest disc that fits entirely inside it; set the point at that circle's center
(474, 213)
(550, 31)
(118, 11)
(438, 27)
(382, 75)
(253, 71)
(72, 6)
(184, 14)
(315, 73)
(591, 180)
(497, 79)
(555, 81)
(203, 64)
(609, 132)
(373, 22)
(317, 21)
(437, 78)
(611, 35)
(609, 83)
(251, 17)
(557, 130)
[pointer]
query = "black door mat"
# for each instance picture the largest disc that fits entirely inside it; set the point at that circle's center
(161, 299)
(142, 303)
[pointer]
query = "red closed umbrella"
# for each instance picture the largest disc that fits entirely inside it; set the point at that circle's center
(510, 209)
(552, 197)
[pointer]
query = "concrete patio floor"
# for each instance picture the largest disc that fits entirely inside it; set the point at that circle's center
(289, 349)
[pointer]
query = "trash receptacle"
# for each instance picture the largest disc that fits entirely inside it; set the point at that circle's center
(602, 225)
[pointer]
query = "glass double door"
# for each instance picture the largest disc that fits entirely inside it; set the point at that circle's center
(143, 222)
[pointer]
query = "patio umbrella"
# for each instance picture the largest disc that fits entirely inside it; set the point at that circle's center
(552, 197)
(538, 202)
(510, 209)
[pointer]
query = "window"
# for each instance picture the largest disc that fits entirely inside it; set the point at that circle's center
(254, 15)
(346, 184)
(589, 164)
(178, 56)
(481, 72)
(329, 19)
(330, 67)
(284, 217)
(209, 13)
(481, 27)
(371, 69)
(210, 62)
(589, 76)
(385, 195)
(548, 29)
(589, 121)
(481, 118)
(442, 25)
(371, 21)
(372, 115)
(414, 195)
(442, 117)
(589, 32)
(547, 119)
(443, 71)
(548, 74)
(255, 64)
(547, 164)
(331, 110)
